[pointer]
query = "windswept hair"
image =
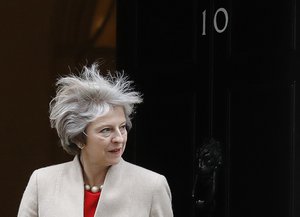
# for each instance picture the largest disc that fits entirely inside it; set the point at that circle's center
(81, 99)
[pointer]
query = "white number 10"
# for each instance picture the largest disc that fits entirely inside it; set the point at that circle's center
(217, 28)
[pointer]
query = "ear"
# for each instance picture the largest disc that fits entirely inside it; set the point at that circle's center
(79, 140)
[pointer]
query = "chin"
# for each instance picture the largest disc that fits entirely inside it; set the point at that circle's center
(114, 161)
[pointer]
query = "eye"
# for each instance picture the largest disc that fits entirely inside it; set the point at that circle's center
(122, 128)
(105, 132)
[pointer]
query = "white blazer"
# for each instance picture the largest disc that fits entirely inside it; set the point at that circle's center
(128, 191)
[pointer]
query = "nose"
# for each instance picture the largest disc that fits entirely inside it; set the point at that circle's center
(117, 137)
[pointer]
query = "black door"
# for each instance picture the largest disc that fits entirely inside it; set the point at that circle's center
(219, 113)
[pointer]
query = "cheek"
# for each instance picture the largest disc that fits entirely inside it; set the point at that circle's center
(125, 137)
(96, 143)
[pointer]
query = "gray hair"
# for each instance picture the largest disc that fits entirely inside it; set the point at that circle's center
(81, 99)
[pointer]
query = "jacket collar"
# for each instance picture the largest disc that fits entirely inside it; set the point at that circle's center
(109, 196)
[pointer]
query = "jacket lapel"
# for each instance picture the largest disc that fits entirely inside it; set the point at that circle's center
(71, 191)
(113, 194)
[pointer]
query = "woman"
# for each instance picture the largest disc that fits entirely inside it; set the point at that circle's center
(92, 114)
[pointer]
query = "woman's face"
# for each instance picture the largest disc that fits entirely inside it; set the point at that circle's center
(106, 138)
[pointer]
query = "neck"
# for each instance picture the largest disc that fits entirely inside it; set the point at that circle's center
(93, 174)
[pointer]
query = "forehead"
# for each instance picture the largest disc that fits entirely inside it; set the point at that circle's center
(114, 116)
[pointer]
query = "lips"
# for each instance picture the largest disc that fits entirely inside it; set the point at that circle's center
(116, 150)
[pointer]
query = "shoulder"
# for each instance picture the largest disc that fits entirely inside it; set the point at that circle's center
(143, 175)
(52, 168)
(146, 182)
(48, 173)
(47, 178)
(134, 168)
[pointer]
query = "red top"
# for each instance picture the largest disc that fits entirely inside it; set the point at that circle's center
(90, 203)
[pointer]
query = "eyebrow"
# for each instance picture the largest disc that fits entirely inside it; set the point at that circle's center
(107, 125)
